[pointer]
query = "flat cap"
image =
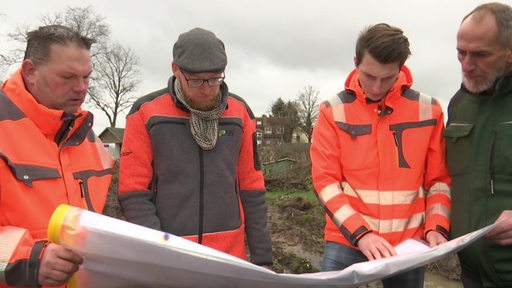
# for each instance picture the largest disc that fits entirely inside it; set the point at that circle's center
(198, 51)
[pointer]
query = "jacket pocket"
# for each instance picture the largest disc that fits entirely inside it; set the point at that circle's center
(355, 130)
(458, 147)
(27, 173)
(502, 148)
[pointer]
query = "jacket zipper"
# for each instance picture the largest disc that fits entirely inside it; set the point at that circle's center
(491, 163)
(85, 194)
(201, 197)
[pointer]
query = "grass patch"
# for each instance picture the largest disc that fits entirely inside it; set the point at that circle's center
(276, 195)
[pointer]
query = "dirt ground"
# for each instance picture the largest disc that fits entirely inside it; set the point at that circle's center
(297, 238)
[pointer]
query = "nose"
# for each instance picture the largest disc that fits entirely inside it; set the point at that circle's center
(467, 63)
(205, 87)
(81, 85)
(377, 87)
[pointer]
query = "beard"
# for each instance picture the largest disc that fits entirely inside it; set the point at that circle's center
(203, 105)
(476, 86)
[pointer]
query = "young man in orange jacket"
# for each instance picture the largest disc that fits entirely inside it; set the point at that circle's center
(378, 160)
(49, 155)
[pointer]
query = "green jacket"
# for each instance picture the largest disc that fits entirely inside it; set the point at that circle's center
(479, 147)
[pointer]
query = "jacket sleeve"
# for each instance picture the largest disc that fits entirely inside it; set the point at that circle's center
(252, 195)
(327, 177)
(136, 174)
(437, 181)
(20, 257)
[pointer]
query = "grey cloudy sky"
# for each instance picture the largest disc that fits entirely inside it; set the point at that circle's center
(275, 47)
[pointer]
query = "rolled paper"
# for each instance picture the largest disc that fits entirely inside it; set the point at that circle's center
(122, 254)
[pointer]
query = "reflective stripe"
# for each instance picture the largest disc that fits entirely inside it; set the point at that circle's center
(439, 188)
(338, 109)
(425, 107)
(329, 192)
(343, 214)
(395, 225)
(383, 197)
(10, 238)
(439, 209)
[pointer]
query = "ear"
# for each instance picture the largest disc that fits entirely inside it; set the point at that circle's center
(175, 69)
(28, 71)
(355, 61)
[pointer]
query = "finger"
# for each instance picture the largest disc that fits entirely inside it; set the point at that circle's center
(504, 242)
(380, 250)
(368, 254)
(501, 238)
(371, 253)
(61, 266)
(55, 278)
(390, 250)
(496, 231)
(436, 240)
(70, 256)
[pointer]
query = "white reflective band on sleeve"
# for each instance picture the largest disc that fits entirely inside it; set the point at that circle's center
(9, 240)
(329, 192)
(342, 214)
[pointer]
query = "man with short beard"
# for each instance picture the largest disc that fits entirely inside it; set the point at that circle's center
(189, 163)
(479, 141)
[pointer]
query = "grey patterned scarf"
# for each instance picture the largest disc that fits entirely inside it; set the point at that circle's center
(204, 125)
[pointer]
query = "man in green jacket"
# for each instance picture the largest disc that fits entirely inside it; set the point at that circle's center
(479, 145)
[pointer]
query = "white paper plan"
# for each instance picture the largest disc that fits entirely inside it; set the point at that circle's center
(121, 254)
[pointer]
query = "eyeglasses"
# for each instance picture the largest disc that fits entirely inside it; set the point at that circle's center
(196, 83)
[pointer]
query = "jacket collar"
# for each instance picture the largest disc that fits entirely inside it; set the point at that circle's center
(403, 81)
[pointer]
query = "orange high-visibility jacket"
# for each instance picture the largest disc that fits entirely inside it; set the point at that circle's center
(37, 174)
(380, 167)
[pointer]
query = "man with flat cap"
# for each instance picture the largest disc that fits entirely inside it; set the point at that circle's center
(189, 163)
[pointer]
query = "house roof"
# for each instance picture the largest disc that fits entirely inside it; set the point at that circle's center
(115, 135)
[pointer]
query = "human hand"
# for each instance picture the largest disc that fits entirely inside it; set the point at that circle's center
(375, 247)
(58, 264)
(434, 238)
(502, 233)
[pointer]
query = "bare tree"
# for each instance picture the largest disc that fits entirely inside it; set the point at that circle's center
(308, 103)
(83, 20)
(14, 56)
(116, 77)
